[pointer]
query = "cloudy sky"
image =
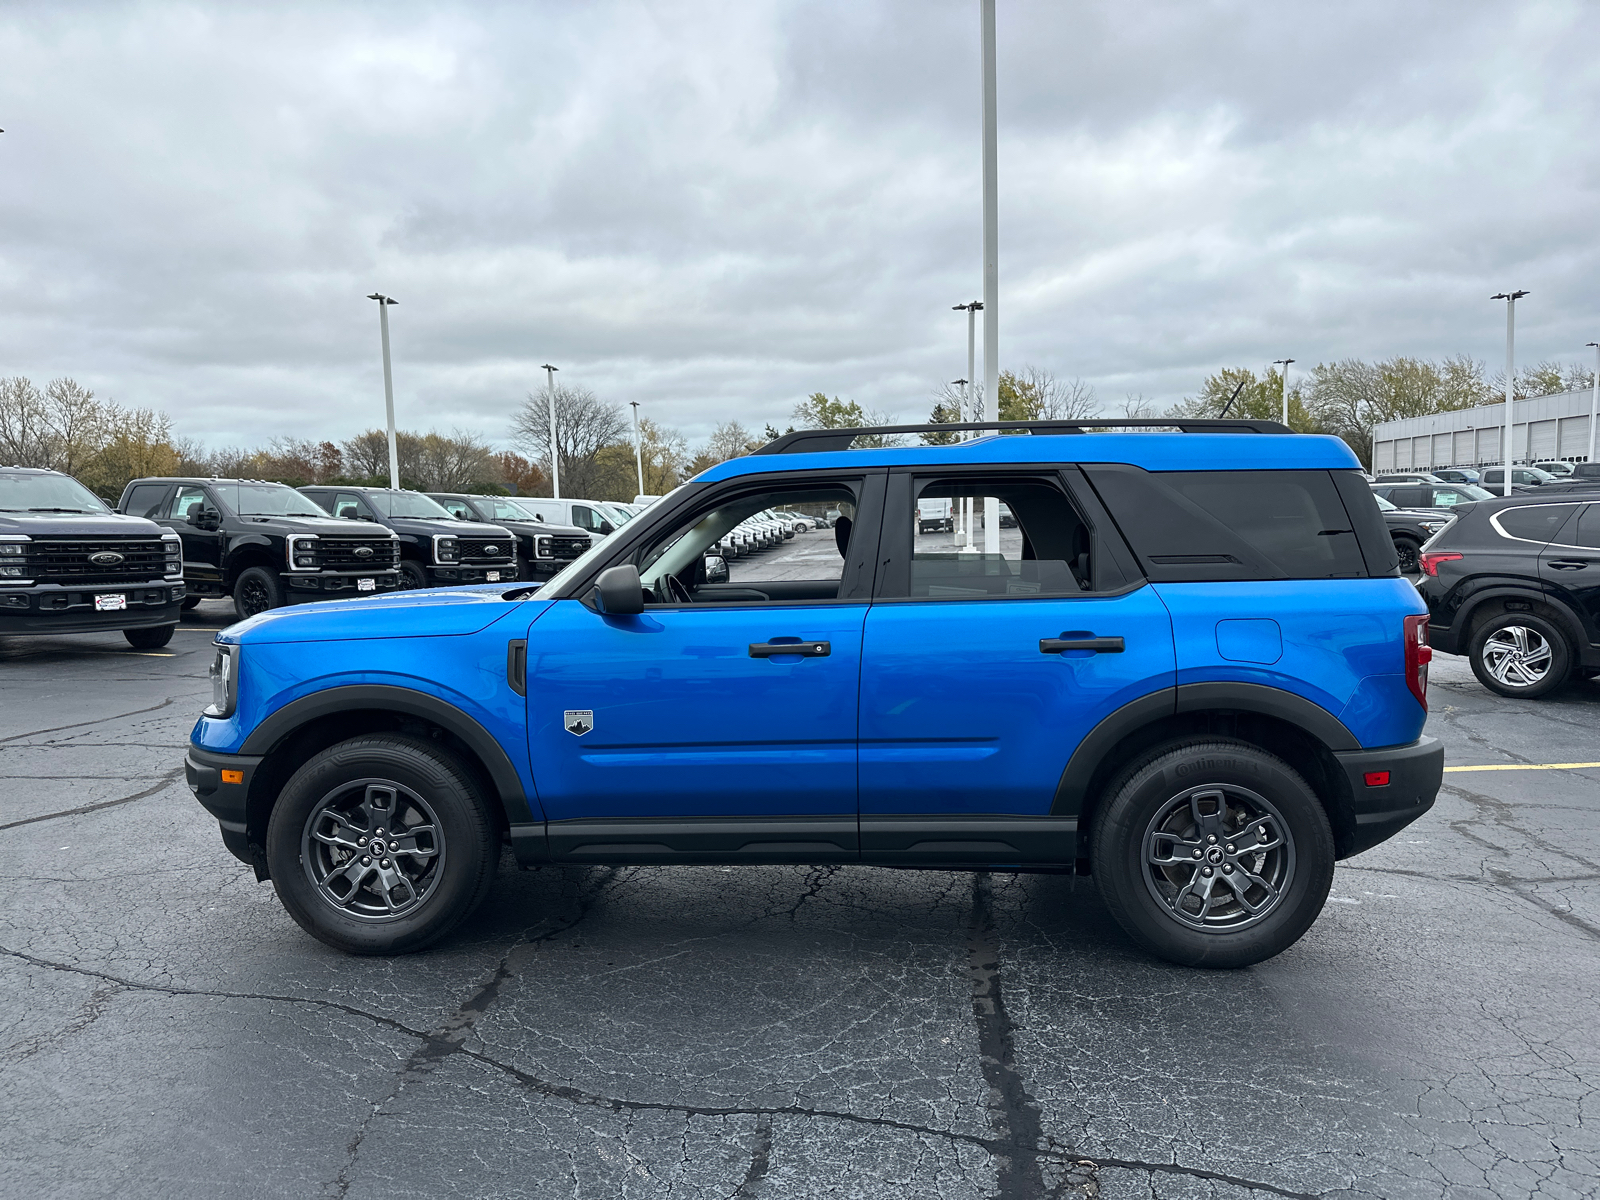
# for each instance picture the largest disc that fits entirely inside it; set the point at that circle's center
(717, 208)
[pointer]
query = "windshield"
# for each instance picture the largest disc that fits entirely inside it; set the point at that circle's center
(266, 500)
(1540, 474)
(1473, 492)
(47, 493)
(408, 504)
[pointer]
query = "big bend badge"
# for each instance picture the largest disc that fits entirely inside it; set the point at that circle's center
(578, 721)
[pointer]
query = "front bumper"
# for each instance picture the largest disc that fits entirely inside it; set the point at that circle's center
(332, 585)
(221, 782)
(472, 573)
(1414, 772)
(54, 608)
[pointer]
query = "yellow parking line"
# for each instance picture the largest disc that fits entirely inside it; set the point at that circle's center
(1530, 767)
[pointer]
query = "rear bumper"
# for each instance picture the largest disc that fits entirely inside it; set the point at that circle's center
(52, 608)
(224, 797)
(1415, 772)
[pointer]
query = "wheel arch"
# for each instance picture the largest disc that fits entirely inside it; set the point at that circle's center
(1492, 602)
(243, 555)
(1297, 730)
(311, 724)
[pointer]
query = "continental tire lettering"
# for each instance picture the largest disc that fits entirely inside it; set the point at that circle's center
(1215, 764)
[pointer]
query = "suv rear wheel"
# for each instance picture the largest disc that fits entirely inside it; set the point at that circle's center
(1520, 654)
(1213, 853)
(1409, 551)
(380, 845)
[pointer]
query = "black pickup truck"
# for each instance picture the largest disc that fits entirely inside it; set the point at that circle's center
(68, 564)
(542, 548)
(436, 550)
(263, 543)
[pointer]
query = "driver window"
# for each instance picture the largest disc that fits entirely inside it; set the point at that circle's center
(189, 501)
(744, 551)
(458, 510)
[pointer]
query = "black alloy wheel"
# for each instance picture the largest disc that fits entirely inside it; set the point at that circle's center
(150, 638)
(1213, 853)
(412, 576)
(257, 590)
(381, 845)
(1410, 555)
(1520, 655)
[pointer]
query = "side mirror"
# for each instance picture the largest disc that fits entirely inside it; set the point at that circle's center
(716, 569)
(618, 592)
(606, 528)
(206, 518)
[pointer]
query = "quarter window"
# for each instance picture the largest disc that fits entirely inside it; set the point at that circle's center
(1589, 527)
(145, 500)
(1534, 523)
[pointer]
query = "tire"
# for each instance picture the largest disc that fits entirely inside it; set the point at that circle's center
(1520, 655)
(412, 576)
(255, 591)
(1162, 805)
(190, 603)
(1409, 552)
(331, 809)
(151, 638)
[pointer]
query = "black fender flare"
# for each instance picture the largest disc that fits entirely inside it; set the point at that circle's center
(1310, 717)
(295, 715)
(249, 550)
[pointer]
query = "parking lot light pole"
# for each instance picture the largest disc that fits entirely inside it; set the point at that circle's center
(388, 385)
(991, 263)
(1594, 399)
(638, 445)
(1284, 363)
(1511, 299)
(555, 453)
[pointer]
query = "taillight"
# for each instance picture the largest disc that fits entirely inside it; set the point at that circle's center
(1431, 560)
(1418, 655)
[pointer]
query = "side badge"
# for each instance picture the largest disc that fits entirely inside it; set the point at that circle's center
(578, 721)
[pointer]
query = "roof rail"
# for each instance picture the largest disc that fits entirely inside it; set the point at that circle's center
(814, 440)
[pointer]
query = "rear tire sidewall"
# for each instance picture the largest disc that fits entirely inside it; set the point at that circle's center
(1562, 656)
(151, 638)
(1157, 777)
(1408, 552)
(469, 837)
(248, 579)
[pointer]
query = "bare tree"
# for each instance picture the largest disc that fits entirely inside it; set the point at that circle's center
(585, 425)
(24, 429)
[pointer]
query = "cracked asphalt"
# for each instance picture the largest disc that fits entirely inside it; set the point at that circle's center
(166, 1030)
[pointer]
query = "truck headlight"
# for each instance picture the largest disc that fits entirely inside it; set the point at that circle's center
(446, 549)
(224, 674)
(541, 547)
(302, 551)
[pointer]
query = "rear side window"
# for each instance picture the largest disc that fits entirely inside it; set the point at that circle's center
(1535, 523)
(145, 500)
(1219, 525)
(1410, 497)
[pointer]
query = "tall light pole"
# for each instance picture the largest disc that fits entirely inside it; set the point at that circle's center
(972, 309)
(388, 385)
(555, 451)
(1511, 299)
(1284, 363)
(991, 265)
(638, 445)
(961, 523)
(1594, 399)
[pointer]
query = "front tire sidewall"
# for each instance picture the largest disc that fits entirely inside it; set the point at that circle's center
(1561, 659)
(150, 638)
(412, 575)
(249, 579)
(1118, 851)
(468, 835)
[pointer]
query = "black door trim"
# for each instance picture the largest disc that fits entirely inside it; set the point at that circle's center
(795, 839)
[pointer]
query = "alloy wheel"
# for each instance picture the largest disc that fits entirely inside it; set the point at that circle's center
(1517, 656)
(1218, 858)
(373, 849)
(254, 597)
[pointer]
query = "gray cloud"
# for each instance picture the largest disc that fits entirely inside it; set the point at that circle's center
(716, 209)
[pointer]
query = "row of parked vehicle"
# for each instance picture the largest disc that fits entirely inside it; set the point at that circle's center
(69, 563)
(765, 529)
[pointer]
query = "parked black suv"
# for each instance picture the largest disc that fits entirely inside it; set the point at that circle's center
(1409, 528)
(262, 543)
(68, 564)
(1514, 584)
(542, 548)
(436, 550)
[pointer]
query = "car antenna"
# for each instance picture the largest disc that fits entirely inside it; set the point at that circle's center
(1231, 399)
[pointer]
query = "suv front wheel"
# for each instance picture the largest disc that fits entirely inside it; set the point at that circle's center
(1521, 655)
(1213, 853)
(380, 845)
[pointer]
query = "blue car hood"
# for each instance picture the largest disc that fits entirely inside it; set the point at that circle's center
(442, 612)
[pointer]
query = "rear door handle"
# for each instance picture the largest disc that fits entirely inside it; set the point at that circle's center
(804, 649)
(1569, 564)
(1100, 645)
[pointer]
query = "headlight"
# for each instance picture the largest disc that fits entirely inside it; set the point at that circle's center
(9, 572)
(224, 674)
(301, 549)
(446, 549)
(541, 547)
(10, 550)
(172, 547)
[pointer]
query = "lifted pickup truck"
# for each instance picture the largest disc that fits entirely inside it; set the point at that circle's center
(436, 550)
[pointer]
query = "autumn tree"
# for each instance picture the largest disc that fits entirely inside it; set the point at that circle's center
(585, 425)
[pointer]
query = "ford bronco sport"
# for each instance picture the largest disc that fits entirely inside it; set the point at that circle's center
(1201, 684)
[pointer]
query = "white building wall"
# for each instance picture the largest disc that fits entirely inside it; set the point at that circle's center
(1471, 437)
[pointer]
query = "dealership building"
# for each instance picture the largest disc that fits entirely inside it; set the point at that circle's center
(1544, 428)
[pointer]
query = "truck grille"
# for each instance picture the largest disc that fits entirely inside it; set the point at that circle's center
(568, 547)
(475, 550)
(69, 560)
(338, 554)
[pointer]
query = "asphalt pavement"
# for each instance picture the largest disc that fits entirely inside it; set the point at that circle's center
(166, 1029)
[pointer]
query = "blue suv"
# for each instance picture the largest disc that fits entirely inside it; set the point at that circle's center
(1186, 664)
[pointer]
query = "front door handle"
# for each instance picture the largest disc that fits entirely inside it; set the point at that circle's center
(804, 649)
(1100, 645)
(1568, 564)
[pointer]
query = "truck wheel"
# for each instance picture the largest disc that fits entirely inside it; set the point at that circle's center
(1213, 853)
(381, 845)
(255, 591)
(152, 638)
(1409, 552)
(1520, 655)
(412, 576)
(190, 603)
